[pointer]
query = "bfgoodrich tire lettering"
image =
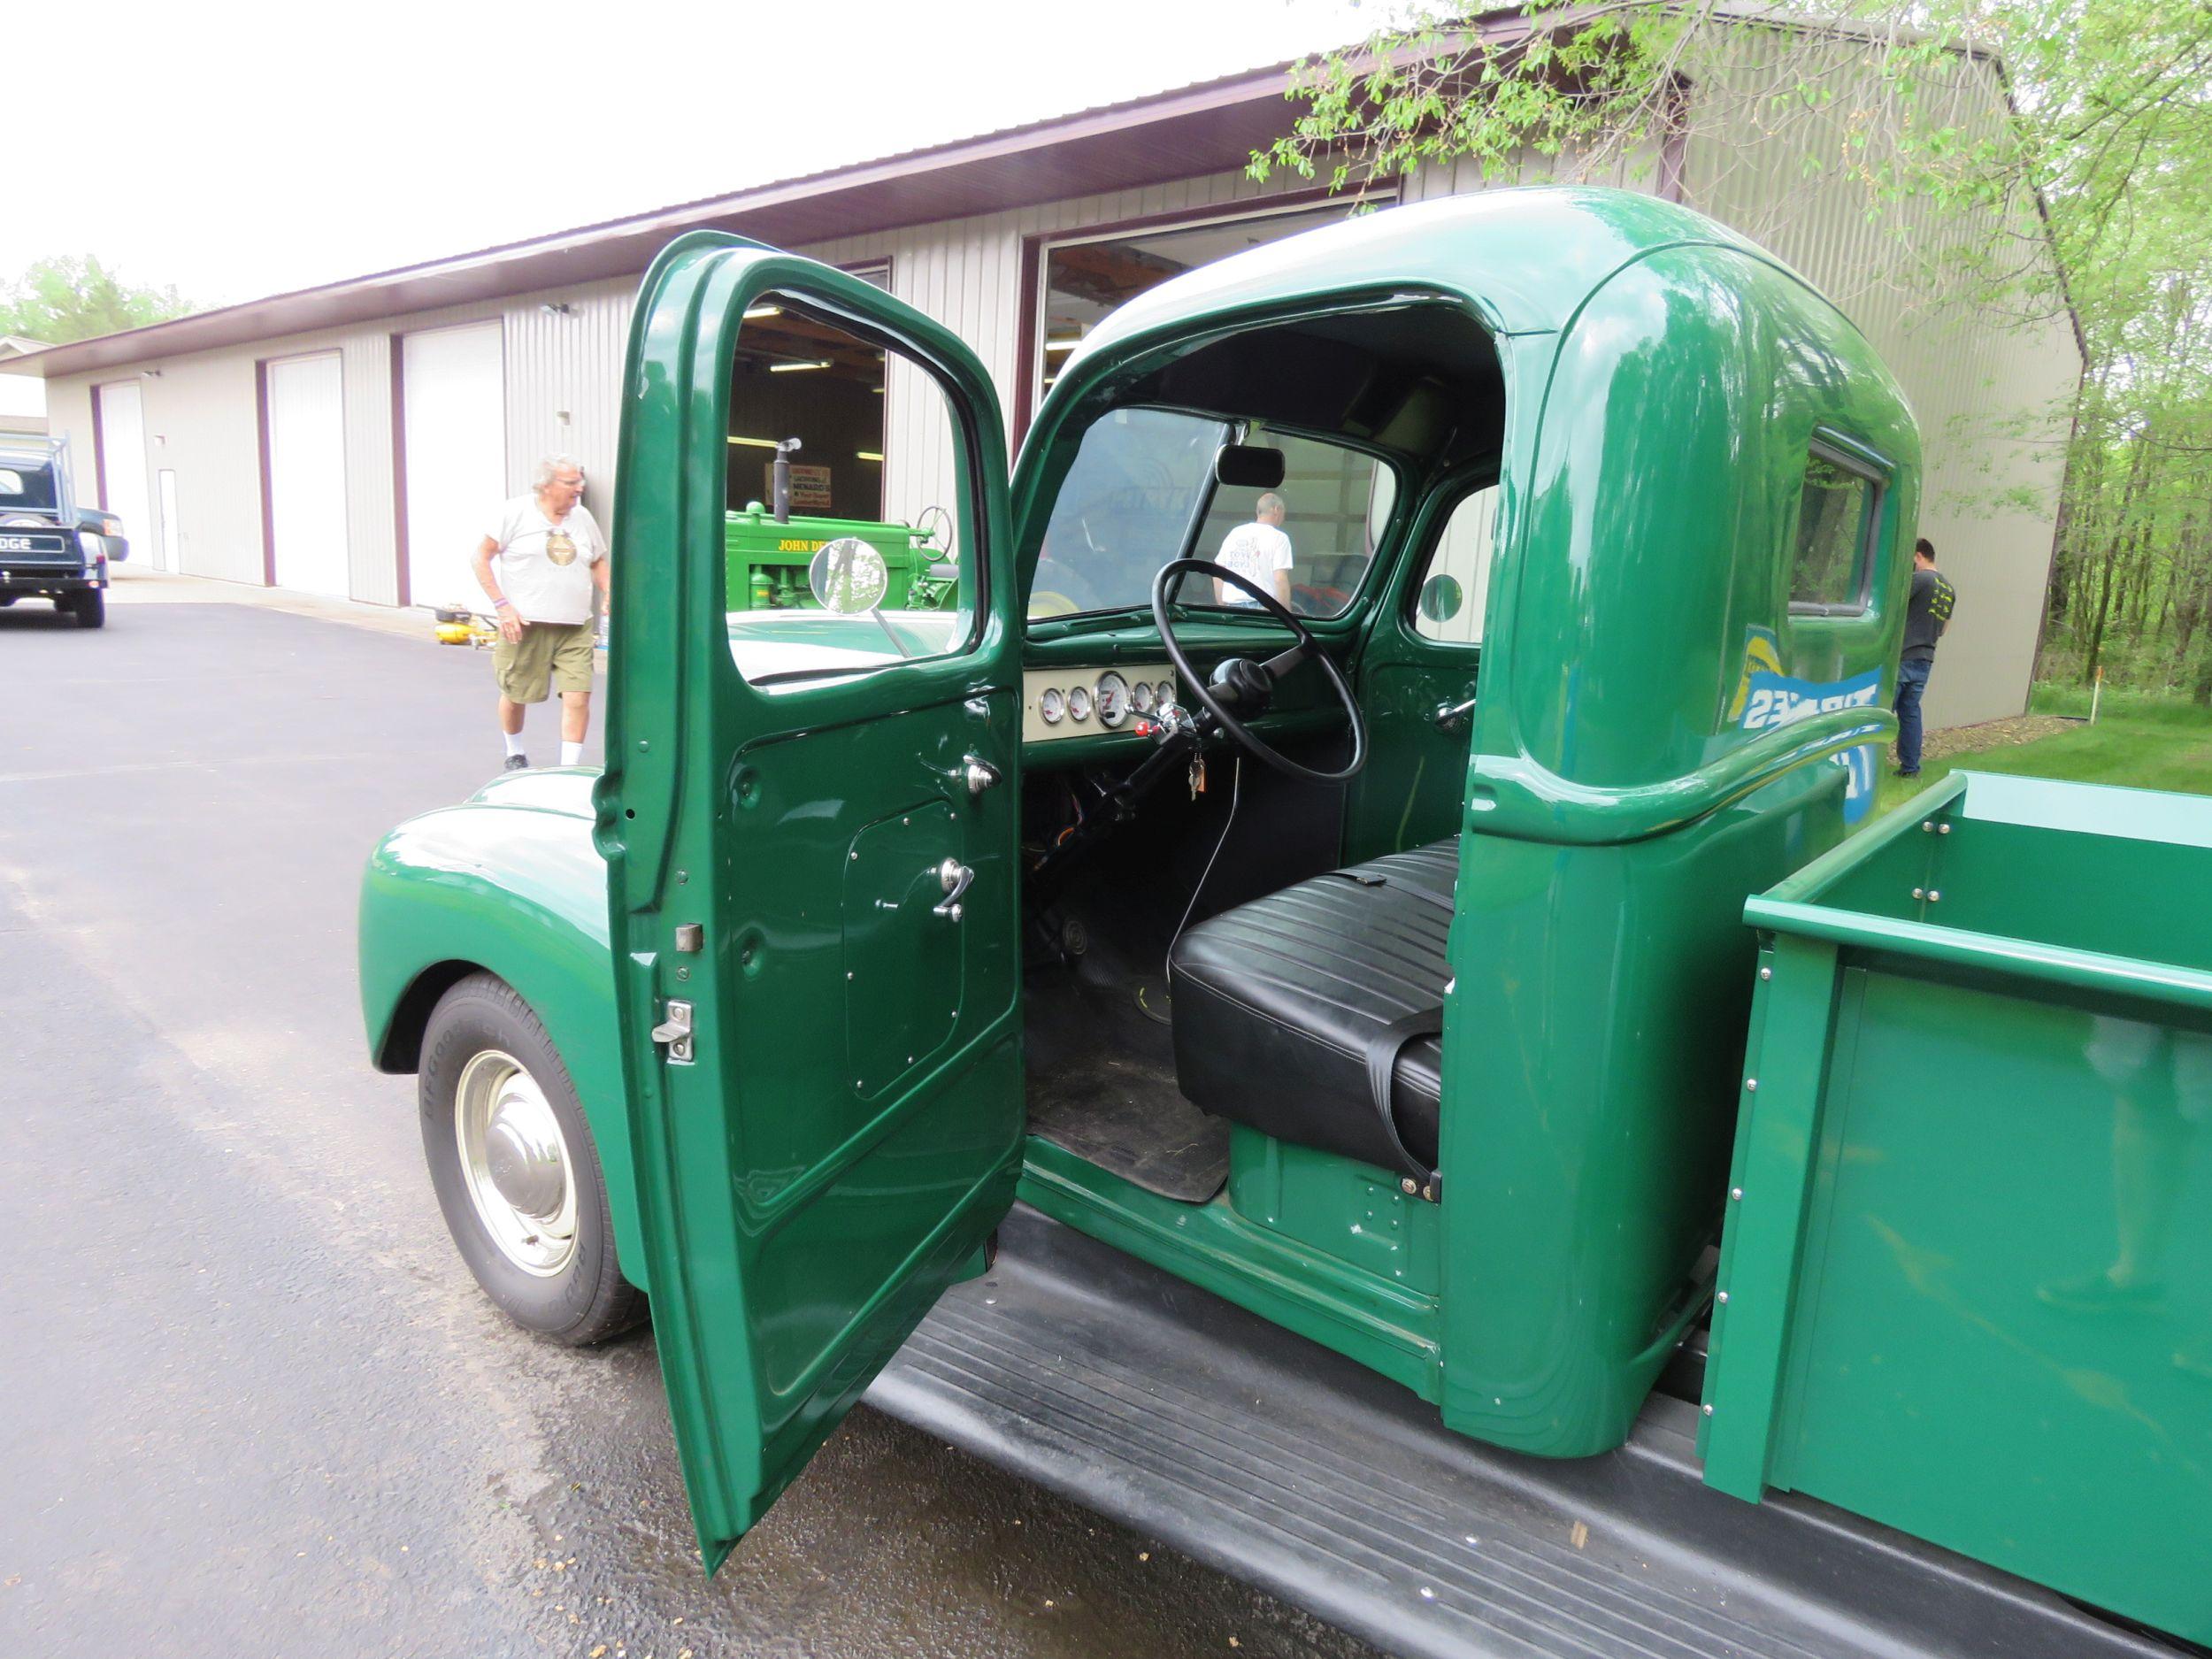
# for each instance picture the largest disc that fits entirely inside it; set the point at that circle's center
(566, 1285)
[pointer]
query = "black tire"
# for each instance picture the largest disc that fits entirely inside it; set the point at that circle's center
(586, 1300)
(88, 605)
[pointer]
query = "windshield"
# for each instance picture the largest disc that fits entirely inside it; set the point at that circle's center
(1142, 492)
(26, 487)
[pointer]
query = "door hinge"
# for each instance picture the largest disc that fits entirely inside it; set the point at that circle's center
(675, 1031)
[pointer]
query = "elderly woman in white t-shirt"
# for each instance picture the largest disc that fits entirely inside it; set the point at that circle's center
(551, 556)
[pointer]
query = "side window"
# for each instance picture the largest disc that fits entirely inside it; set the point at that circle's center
(1831, 568)
(863, 552)
(1455, 583)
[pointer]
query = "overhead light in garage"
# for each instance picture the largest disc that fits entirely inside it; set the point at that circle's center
(756, 443)
(754, 313)
(1069, 344)
(866, 455)
(792, 368)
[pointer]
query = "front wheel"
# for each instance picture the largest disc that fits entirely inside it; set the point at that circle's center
(516, 1175)
(88, 605)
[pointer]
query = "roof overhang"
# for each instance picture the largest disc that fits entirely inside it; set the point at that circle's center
(1207, 128)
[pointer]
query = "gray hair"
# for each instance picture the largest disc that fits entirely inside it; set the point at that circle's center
(1269, 502)
(551, 465)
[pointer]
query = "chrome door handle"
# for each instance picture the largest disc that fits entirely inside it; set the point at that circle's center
(1450, 716)
(955, 876)
(978, 774)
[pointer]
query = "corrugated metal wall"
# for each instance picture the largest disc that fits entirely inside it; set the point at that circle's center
(1991, 388)
(967, 273)
(563, 373)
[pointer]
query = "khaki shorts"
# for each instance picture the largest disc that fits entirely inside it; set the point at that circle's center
(560, 651)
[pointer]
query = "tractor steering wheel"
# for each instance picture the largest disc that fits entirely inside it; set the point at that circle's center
(1241, 683)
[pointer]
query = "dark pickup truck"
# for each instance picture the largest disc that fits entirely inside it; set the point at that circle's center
(49, 547)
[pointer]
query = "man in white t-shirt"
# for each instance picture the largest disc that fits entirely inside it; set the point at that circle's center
(552, 559)
(1258, 551)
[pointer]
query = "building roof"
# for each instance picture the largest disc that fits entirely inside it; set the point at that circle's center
(1206, 127)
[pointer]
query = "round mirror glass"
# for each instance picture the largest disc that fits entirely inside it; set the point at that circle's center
(1442, 597)
(848, 576)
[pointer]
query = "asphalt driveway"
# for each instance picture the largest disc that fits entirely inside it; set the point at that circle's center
(250, 1401)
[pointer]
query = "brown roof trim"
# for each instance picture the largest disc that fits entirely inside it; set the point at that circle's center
(1196, 129)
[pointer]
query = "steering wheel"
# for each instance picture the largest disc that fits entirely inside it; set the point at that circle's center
(1249, 683)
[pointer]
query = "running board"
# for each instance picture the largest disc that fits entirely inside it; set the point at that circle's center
(1281, 1462)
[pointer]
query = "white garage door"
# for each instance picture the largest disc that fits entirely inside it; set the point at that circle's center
(454, 397)
(307, 474)
(123, 467)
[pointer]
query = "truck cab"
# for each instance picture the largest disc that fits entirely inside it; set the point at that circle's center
(1346, 923)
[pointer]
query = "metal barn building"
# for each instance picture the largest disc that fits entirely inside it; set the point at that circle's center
(352, 439)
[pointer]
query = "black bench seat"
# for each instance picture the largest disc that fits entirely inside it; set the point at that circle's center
(1279, 1005)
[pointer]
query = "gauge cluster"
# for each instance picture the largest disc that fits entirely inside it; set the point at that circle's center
(1085, 703)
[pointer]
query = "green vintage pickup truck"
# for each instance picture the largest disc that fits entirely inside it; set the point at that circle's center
(1334, 1001)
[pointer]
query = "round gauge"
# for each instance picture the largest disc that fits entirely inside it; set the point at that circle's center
(1051, 706)
(1078, 702)
(1113, 699)
(1166, 692)
(1140, 696)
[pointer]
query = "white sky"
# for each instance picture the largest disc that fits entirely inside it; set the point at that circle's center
(237, 151)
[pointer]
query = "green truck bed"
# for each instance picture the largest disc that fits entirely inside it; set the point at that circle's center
(1966, 1279)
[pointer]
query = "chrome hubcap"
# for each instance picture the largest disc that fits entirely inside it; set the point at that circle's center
(515, 1162)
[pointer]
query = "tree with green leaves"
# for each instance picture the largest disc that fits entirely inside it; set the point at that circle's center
(2084, 187)
(72, 297)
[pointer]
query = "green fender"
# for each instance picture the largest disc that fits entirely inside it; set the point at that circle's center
(509, 883)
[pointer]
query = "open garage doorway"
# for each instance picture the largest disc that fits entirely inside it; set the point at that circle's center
(453, 457)
(1082, 275)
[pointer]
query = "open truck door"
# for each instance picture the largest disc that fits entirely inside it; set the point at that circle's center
(809, 820)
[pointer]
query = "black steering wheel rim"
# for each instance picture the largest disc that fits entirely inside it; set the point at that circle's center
(1306, 649)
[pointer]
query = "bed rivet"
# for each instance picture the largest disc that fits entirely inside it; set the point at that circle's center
(1943, 829)
(1919, 893)
(1708, 1411)
(1766, 973)
(1720, 1296)
(1735, 1194)
(1751, 1086)
(1935, 895)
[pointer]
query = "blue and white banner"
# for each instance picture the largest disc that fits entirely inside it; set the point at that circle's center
(1767, 698)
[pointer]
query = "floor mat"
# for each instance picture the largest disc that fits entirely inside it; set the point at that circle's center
(1102, 1084)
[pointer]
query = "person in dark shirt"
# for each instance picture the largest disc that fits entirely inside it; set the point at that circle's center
(1927, 613)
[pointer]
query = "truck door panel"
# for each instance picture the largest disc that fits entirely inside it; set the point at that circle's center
(825, 1077)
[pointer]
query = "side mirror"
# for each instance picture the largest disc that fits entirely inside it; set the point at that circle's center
(1248, 466)
(1442, 596)
(849, 576)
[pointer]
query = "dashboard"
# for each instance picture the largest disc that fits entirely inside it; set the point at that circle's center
(1071, 701)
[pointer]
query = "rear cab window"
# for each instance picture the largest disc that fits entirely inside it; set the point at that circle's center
(1454, 587)
(1838, 519)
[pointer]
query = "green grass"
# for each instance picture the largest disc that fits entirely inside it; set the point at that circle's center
(2145, 742)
